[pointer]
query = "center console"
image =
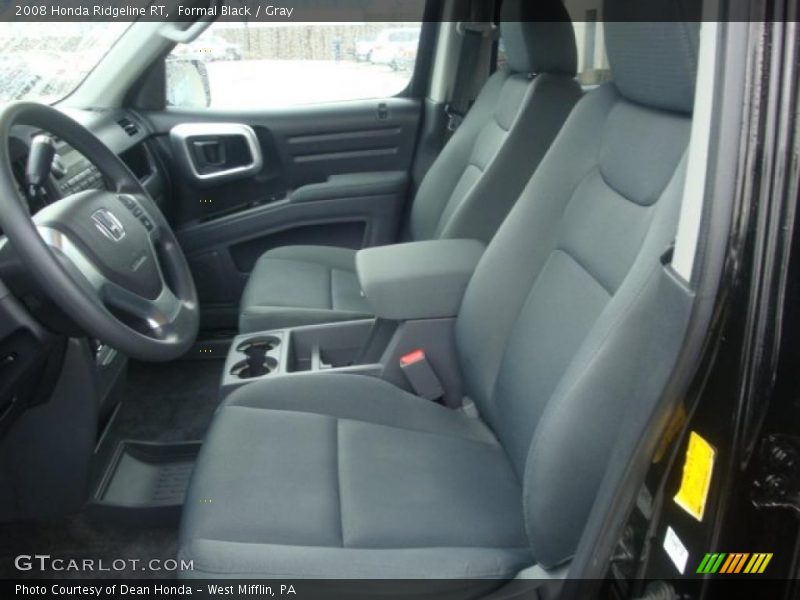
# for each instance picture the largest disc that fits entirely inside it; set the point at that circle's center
(336, 346)
(414, 290)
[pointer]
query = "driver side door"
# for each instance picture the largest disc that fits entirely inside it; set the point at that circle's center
(275, 136)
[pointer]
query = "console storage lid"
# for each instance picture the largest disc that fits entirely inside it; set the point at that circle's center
(417, 280)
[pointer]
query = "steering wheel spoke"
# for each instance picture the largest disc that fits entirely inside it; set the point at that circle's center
(75, 261)
(164, 318)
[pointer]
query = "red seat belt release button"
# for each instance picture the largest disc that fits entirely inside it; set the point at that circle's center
(412, 357)
(421, 375)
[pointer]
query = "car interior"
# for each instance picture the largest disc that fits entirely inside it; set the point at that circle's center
(366, 338)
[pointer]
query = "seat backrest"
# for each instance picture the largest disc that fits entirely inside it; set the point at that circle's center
(479, 174)
(550, 333)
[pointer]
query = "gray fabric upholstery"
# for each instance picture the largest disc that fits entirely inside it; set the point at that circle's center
(654, 63)
(301, 285)
(348, 476)
(558, 341)
(417, 280)
(571, 261)
(538, 37)
(468, 190)
(478, 176)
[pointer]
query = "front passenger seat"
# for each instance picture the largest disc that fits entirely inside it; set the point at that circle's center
(468, 190)
(567, 334)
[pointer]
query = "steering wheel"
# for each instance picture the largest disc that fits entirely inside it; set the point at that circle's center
(108, 259)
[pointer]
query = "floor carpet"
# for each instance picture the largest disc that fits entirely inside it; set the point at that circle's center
(78, 537)
(168, 402)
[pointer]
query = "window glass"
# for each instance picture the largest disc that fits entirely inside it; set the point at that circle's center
(257, 65)
(587, 20)
(47, 61)
(593, 66)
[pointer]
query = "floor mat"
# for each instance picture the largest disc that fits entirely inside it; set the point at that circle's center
(168, 402)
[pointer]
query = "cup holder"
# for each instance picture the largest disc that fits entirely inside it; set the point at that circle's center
(256, 361)
(258, 346)
(254, 367)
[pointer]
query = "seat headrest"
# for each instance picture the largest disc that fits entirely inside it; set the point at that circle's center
(654, 62)
(538, 37)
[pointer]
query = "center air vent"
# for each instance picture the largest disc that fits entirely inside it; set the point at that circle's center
(129, 126)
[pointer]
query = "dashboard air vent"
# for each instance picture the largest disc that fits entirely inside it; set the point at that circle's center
(129, 126)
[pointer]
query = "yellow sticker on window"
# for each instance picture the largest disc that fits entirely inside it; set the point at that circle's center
(697, 471)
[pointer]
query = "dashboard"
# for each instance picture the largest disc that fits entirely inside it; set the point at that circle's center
(122, 131)
(75, 173)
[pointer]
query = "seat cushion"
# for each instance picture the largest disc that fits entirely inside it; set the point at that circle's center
(333, 475)
(302, 285)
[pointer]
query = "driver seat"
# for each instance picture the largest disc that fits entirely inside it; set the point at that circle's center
(566, 335)
(469, 188)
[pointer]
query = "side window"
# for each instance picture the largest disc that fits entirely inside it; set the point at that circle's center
(502, 60)
(593, 66)
(239, 65)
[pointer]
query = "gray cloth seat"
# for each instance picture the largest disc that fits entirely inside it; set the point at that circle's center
(300, 285)
(319, 449)
(467, 191)
(566, 335)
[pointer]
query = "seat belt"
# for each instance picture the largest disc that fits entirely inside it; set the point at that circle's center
(469, 74)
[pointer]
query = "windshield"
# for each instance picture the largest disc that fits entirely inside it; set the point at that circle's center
(47, 61)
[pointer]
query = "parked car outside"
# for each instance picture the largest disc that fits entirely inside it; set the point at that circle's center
(390, 42)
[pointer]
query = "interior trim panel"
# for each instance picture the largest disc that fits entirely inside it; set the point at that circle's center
(194, 143)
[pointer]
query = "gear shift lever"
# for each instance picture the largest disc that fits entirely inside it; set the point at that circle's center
(40, 161)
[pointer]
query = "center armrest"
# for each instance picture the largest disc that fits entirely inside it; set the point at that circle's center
(417, 280)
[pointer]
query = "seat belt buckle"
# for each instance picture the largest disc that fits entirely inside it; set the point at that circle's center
(454, 119)
(421, 375)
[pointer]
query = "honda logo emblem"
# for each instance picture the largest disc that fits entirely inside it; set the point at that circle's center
(108, 224)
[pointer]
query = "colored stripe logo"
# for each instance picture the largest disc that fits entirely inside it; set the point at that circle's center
(734, 562)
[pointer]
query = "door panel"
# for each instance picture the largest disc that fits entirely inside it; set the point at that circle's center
(333, 174)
